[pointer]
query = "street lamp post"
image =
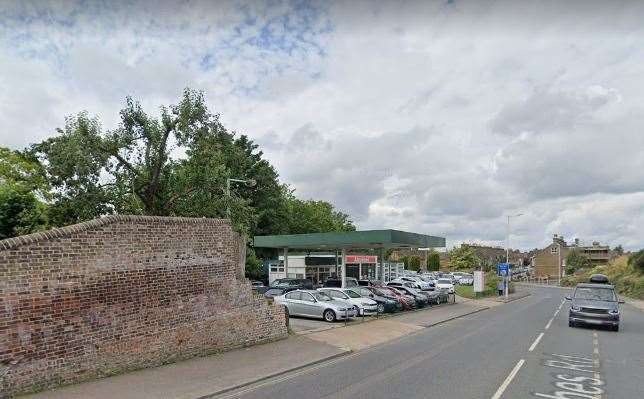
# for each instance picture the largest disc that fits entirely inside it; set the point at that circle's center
(507, 252)
(249, 183)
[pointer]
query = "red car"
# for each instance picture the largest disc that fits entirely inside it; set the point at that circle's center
(406, 301)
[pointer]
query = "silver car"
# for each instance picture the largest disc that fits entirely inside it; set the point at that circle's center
(312, 303)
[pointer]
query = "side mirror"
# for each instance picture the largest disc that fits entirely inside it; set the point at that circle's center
(621, 301)
(568, 298)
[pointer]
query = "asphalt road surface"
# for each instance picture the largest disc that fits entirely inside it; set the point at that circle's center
(519, 350)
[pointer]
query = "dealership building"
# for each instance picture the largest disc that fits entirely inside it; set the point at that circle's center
(318, 256)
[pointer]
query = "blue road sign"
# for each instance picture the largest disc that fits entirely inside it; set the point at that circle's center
(503, 269)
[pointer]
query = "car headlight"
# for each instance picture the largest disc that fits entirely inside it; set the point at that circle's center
(613, 311)
(575, 308)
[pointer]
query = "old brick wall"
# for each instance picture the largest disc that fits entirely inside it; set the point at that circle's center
(121, 293)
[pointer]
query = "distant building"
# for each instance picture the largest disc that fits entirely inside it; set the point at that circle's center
(597, 254)
(551, 260)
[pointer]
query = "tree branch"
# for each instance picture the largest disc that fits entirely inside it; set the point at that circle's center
(177, 196)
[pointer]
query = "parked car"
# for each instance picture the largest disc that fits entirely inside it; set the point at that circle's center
(406, 301)
(401, 284)
(466, 279)
(367, 283)
(594, 303)
(256, 284)
(437, 297)
(311, 303)
(385, 304)
(272, 292)
(421, 299)
(445, 284)
(429, 279)
(417, 281)
(337, 283)
(295, 283)
(364, 306)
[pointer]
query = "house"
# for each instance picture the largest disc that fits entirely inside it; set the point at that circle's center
(550, 261)
(597, 254)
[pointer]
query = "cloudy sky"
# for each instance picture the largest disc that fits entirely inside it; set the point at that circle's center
(434, 117)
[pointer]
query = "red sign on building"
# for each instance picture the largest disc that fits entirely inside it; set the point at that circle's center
(355, 259)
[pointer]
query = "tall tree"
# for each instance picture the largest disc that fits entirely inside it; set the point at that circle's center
(463, 257)
(174, 165)
(310, 216)
(22, 188)
(433, 260)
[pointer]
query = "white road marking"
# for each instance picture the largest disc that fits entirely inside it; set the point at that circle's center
(535, 343)
(596, 360)
(549, 323)
(508, 380)
(557, 312)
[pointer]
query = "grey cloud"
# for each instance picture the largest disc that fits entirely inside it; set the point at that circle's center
(545, 110)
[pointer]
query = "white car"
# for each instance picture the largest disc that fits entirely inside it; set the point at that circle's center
(466, 279)
(419, 282)
(445, 284)
(364, 306)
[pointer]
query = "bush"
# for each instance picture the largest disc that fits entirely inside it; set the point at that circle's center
(433, 261)
(414, 263)
(623, 272)
(636, 260)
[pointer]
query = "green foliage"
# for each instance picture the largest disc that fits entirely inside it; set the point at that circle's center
(175, 165)
(619, 250)
(309, 216)
(254, 269)
(433, 260)
(463, 257)
(636, 261)
(414, 263)
(623, 272)
(467, 291)
(22, 169)
(575, 260)
(20, 211)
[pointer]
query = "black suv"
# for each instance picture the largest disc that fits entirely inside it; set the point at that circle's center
(594, 303)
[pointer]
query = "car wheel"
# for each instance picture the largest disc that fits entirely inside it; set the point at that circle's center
(286, 312)
(616, 328)
(329, 315)
(571, 323)
(381, 308)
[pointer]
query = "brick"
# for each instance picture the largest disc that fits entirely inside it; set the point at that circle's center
(121, 293)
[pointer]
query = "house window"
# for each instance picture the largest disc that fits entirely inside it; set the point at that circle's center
(554, 250)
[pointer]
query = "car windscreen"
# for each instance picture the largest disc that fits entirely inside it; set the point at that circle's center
(595, 294)
(444, 281)
(320, 296)
(351, 294)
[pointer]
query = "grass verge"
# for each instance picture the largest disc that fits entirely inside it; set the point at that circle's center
(627, 279)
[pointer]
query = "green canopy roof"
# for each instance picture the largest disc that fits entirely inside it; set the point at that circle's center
(350, 239)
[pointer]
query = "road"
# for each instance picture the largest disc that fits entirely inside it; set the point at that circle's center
(519, 350)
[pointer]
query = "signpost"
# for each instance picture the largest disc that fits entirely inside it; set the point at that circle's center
(503, 270)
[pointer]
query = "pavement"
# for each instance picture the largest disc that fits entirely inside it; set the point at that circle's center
(520, 349)
(203, 376)
(313, 343)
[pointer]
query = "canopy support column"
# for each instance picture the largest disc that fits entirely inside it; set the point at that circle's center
(286, 262)
(344, 268)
